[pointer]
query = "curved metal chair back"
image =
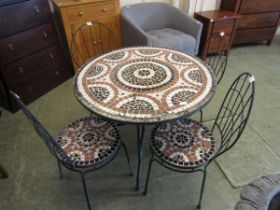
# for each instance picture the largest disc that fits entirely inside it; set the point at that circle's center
(90, 40)
(54, 148)
(219, 58)
(235, 111)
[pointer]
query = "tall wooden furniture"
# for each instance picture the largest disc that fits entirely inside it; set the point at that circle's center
(259, 21)
(31, 61)
(215, 23)
(76, 13)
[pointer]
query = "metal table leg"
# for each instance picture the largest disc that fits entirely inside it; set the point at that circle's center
(140, 142)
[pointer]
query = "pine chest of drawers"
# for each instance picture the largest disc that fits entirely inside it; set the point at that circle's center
(31, 60)
(73, 13)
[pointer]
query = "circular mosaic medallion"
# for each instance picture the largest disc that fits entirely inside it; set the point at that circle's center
(183, 143)
(144, 85)
(143, 74)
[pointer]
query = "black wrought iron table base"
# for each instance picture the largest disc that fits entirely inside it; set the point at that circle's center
(140, 142)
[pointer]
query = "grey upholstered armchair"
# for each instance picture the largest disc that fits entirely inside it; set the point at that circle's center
(161, 25)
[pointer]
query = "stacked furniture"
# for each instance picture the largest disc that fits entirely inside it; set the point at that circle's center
(259, 20)
(31, 61)
(73, 14)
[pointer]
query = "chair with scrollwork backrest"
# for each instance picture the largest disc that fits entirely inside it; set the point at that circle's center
(90, 40)
(83, 146)
(218, 57)
(3, 172)
(188, 146)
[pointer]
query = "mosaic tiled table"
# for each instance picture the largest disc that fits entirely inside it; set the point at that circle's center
(144, 85)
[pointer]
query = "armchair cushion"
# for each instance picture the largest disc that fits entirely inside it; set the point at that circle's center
(171, 38)
(141, 24)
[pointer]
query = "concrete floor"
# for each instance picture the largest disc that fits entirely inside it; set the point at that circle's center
(34, 184)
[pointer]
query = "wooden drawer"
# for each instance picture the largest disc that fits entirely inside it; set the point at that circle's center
(215, 46)
(32, 65)
(32, 13)
(24, 43)
(253, 35)
(41, 83)
(254, 6)
(225, 26)
(258, 20)
(90, 12)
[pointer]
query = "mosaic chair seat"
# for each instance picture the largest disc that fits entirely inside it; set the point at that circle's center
(188, 146)
(218, 58)
(83, 146)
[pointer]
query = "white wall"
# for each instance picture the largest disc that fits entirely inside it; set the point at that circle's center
(189, 6)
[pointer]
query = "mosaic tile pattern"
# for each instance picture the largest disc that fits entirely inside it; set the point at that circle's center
(183, 143)
(89, 141)
(144, 85)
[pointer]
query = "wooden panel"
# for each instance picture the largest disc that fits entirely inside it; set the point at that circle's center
(40, 84)
(253, 6)
(215, 46)
(90, 12)
(253, 35)
(26, 42)
(223, 26)
(32, 65)
(32, 13)
(258, 20)
(111, 23)
(232, 5)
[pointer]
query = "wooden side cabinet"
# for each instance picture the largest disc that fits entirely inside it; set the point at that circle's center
(214, 23)
(74, 13)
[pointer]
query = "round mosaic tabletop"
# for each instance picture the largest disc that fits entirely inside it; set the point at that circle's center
(144, 85)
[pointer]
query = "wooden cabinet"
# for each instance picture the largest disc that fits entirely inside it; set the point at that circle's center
(259, 20)
(216, 22)
(31, 60)
(73, 14)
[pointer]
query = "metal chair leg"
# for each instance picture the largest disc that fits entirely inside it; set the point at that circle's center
(128, 159)
(202, 188)
(59, 169)
(3, 172)
(201, 116)
(85, 190)
(140, 141)
(148, 175)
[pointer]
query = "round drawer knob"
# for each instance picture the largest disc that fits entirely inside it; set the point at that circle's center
(222, 34)
(81, 14)
(57, 73)
(20, 69)
(11, 47)
(30, 89)
(37, 10)
(104, 10)
(45, 35)
(51, 55)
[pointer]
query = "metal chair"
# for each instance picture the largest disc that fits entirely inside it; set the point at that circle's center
(3, 172)
(83, 146)
(90, 40)
(188, 146)
(218, 58)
